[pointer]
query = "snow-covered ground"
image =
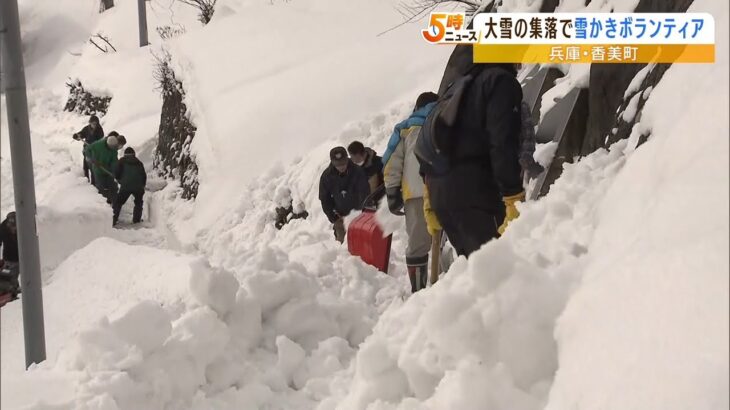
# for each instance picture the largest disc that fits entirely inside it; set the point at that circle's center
(610, 293)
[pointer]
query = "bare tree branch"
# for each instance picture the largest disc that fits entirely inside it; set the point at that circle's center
(413, 10)
(103, 50)
(206, 8)
(101, 37)
(106, 40)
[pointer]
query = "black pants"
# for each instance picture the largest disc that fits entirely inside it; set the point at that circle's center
(340, 232)
(9, 278)
(121, 199)
(88, 173)
(106, 186)
(469, 229)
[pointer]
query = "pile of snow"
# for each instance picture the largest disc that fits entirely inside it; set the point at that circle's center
(176, 333)
(489, 322)
(96, 281)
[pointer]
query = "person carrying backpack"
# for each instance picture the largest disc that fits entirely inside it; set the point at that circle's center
(89, 134)
(404, 189)
(469, 151)
(132, 178)
(343, 187)
(102, 156)
(370, 162)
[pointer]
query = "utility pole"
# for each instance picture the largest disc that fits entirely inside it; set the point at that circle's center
(2, 29)
(142, 11)
(23, 182)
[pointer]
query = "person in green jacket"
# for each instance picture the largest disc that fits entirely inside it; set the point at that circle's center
(132, 179)
(102, 156)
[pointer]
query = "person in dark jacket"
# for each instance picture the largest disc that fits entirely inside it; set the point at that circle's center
(343, 187)
(476, 199)
(9, 238)
(89, 134)
(132, 179)
(10, 260)
(370, 162)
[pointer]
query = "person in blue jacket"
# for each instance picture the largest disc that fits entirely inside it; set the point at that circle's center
(404, 188)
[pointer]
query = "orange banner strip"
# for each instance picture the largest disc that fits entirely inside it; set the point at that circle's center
(594, 53)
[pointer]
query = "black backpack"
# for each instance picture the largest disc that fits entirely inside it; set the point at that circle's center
(436, 138)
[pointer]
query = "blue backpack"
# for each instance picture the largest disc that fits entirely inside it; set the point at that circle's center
(436, 138)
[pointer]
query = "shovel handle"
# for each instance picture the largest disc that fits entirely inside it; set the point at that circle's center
(435, 257)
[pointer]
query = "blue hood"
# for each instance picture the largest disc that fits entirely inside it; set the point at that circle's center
(416, 119)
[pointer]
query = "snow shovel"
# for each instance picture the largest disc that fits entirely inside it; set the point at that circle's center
(106, 171)
(435, 257)
(366, 239)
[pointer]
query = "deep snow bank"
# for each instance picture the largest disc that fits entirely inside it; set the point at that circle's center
(262, 96)
(489, 322)
(96, 281)
(650, 320)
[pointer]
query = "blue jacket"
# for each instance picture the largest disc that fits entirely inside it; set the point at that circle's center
(416, 119)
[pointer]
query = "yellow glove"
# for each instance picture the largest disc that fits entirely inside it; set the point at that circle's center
(511, 211)
(432, 223)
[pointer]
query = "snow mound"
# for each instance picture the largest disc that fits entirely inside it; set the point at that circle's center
(95, 281)
(490, 320)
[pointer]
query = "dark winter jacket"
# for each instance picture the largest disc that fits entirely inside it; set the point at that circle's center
(373, 168)
(342, 193)
(131, 174)
(484, 166)
(9, 242)
(103, 159)
(90, 136)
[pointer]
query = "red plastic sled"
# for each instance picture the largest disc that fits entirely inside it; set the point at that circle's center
(365, 239)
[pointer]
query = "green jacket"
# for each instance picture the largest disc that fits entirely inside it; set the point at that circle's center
(131, 174)
(100, 155)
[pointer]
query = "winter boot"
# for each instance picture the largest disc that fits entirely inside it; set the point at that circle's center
(418, 276)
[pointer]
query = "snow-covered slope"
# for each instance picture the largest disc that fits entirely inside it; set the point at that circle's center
(275, 91)
(610, 293)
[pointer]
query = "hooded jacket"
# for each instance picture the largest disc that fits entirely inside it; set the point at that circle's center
(485, 159)
(89, 135)
(402, 168)
(131, 174)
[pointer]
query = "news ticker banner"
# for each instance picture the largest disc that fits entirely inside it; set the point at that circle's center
(570, 38)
